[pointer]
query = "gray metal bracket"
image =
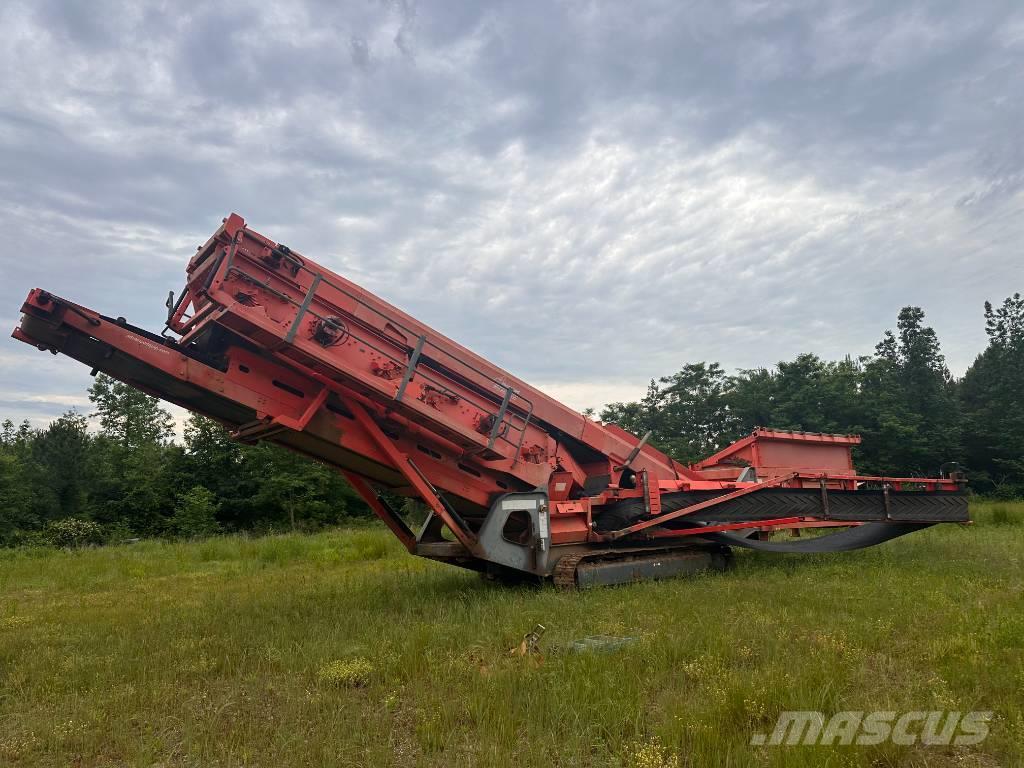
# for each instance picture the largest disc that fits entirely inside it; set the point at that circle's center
(531, 556)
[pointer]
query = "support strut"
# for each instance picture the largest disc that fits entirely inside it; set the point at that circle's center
(411, 472)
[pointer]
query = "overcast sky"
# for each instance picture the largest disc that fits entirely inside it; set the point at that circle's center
(589, 194)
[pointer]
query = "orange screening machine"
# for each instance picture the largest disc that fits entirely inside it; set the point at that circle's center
(275, 347)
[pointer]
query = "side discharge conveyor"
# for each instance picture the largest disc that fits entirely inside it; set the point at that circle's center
(276, 347)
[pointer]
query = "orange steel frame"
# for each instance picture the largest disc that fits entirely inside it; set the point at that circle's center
(331, 370)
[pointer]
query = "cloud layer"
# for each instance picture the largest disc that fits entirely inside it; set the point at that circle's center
(591, 194)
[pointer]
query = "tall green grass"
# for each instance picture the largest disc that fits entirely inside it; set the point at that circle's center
(340, 649)
(998, 512)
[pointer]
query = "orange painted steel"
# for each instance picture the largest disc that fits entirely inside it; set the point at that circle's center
(276, 347)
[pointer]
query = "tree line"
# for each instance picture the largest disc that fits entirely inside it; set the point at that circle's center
(71, 484)
(126, 477)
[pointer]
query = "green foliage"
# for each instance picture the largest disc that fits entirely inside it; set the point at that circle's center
(263, 487)
(129, 417)
(292, 484)
(992, 393)
(73, 532)
(196, 514)
(130, 481)
(911, 412)
(687, 415)
(14, 498)
(693, 410)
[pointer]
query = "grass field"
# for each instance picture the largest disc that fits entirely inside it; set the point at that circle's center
(340, 649)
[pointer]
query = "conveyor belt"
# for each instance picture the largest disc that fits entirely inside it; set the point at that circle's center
(774, 503)
(851, 538)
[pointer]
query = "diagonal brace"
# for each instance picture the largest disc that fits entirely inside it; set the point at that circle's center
(382, 509)
(661, 519)
(403, 464)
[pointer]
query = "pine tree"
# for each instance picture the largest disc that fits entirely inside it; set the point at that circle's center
(910, 408)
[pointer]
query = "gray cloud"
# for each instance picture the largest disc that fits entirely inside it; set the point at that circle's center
(590, 194)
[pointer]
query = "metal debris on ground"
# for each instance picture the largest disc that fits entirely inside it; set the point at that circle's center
(600, 644)
(530, 645)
